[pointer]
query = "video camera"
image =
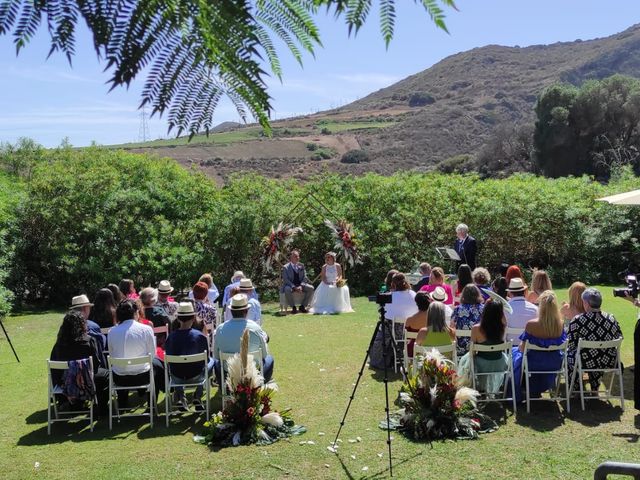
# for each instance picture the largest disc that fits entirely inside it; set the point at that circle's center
(631, 290)
(381, 298)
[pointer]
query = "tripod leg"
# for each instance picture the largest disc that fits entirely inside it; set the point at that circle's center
(386, 385)
(9, 340)
(355, 386)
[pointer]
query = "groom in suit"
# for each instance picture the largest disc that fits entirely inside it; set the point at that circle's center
(466, 246)
(294, 279)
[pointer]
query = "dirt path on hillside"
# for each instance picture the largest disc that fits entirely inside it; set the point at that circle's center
(339, 142)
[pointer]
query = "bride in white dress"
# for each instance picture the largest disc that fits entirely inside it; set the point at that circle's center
(328, 297)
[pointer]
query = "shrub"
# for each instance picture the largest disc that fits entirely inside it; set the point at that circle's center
(420, 99)
(312, 147)
(325, 131)
(355, 156)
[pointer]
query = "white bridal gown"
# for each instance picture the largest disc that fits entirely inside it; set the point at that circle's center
(328, 298)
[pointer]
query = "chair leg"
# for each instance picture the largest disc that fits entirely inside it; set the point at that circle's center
(167, 404)
(621, 388)
(49, 414)
(581, 383)
(526, 382)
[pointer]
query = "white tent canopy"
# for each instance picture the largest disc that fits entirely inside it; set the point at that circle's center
(627, 198)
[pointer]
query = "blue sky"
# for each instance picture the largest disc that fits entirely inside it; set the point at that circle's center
(48, 100)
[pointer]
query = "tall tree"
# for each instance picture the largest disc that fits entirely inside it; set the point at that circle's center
(588, 130)
(196, 51)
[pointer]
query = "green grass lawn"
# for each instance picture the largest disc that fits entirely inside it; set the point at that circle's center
(317, 361)
(337, 127)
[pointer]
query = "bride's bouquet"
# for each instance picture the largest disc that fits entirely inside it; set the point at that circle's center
(435, 406)
(341, 283)
(248, 416)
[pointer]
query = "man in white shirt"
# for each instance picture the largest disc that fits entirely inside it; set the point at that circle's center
(128, 339)
(523, 311)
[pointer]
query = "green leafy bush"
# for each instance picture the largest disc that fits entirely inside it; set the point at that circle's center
(355, 156)
(89, 217)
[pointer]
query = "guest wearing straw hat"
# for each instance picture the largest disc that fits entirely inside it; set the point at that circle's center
(522, 310)
(82, 305)
(187, 341)
(167, 303)
(228, 335)
(255, 309)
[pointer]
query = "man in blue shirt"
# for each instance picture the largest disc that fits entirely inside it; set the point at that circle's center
(187, 341)
(228, 335)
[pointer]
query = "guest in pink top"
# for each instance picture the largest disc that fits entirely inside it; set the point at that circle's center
(437, 280)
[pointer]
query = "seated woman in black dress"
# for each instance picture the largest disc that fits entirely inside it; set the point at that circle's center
(74, 343)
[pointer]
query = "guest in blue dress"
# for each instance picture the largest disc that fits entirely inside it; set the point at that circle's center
(466, 315)
(544, 331)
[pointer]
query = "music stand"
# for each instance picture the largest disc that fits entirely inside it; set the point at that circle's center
(9, 340)
(450, 254)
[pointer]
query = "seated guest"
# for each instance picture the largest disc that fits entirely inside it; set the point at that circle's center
(595, 325)
(164, 301)
(160, 337)
(235, 281)
(440, 295)
(540, 282)
(489, 331)
(425, 271)
(522, 310)
(127, 339)
(117, 294)
(544, 331)
(418, 320)
(152, 312)
(500, 283)
(482, 280)
(82, 305)
(464, 279)
(437, 332)
(255, 309)
(228, 335)
(206, 313)
(437, 280)
(466, 315)
(187, 341)
(74, 343)
(294, 279)
(403, 303)
(104, 309)
(514, 272)
(575, 305)
(128, 289)
(387, 280)
(213, 293)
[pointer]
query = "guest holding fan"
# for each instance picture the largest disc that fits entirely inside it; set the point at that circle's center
(332, 295)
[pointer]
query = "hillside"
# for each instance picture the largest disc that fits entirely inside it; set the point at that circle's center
(449, 109)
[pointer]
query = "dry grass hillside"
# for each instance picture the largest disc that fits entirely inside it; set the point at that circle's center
(449, 109)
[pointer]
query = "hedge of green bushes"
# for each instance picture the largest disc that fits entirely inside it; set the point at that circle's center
(92, 216)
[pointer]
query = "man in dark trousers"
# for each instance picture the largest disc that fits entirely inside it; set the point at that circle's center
(636, 356)
(465, 246)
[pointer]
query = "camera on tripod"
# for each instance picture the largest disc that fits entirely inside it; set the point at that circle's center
(631, 290)
(381, 298)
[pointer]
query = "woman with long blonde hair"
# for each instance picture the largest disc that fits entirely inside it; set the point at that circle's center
(540, 282)
(545, 331)
(575, 305)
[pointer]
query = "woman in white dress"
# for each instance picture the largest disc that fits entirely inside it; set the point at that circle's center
(328, 297)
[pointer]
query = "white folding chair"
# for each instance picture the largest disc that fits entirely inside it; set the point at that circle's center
(53, 414)
(114, 388)
(462, 333)
(408, 336)
(224, 357)
(421, 351)
(505, 348)
(398, 333)
(579, 371)
(564, 371)
(172, 382)
(513, 334)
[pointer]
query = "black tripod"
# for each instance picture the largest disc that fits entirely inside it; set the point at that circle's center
(9, 340)
(384, 326)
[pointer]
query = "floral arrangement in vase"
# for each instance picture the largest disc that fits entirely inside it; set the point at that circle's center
(248, 416)
(436, 407)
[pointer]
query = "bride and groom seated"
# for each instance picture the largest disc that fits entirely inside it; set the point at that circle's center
(328, 298)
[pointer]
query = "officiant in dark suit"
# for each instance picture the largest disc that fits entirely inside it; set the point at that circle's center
(465, 246)
(294, 279)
